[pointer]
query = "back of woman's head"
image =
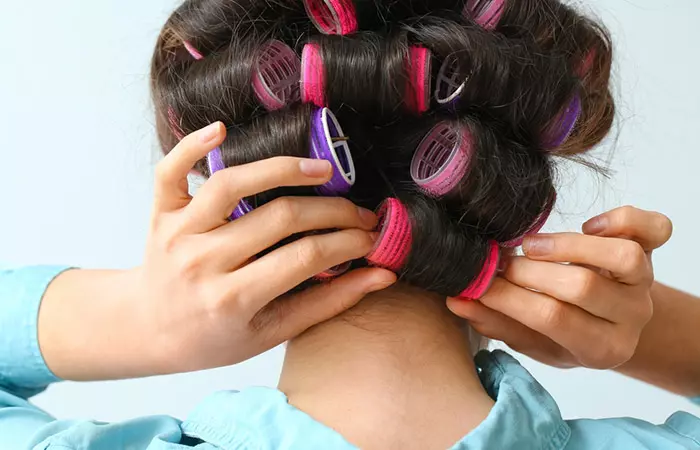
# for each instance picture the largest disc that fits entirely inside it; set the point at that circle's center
(454, 110)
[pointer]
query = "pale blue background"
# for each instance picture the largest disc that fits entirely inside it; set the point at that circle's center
(77, 151)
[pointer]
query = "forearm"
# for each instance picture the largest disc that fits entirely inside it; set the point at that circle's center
(91, 327)
(668, 354)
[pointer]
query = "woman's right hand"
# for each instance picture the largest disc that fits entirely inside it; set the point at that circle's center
(202, 299)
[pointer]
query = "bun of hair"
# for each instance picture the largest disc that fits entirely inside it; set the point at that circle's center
(517, 83)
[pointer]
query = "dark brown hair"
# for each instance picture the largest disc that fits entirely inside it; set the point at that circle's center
(521, 76)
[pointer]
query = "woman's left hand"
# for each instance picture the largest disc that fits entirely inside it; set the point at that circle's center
(589, 312)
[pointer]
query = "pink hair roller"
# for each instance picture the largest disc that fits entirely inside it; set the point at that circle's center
(483, 281)
(332, 16)
(276, 76)
(442, 159)
(395, 238)
(419, 79)
(586, 64)
(536, 227)
(193, 51)
(312, 76)
(449, 86)
(486, 13)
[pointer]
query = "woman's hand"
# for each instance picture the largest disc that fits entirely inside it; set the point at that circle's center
(576, 299)
(202, 299)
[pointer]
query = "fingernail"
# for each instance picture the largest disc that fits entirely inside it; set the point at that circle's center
(538, 245)
(210, 132)
(381, 285)
(367, 216)
(596, 225)
(315, 168)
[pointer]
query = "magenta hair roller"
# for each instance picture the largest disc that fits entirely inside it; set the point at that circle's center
(332, 16)
(419, 64)
(586, 65)
(442, 158)
(328, 142)
(175, 124)
(563, 125)
(312, 76)
(215, 162)
(483, 281)
(276, 76)
(193, 51)
(486, 13)
(395, 238)
(536, 226)
(449, 86)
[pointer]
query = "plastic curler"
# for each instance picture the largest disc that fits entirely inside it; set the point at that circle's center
(276, 75)
(419, 62)
(395, 238)
(215, 163)
(563, 125)
(486, 13)
(536, 227)
(483, 281)
(328, 142)
(586, 64)
(332, 16)
(442, 158)
(193, 51)
(334, 272)
(312, 76)
(449, 86)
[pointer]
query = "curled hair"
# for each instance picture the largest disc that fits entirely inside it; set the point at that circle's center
(531, 86)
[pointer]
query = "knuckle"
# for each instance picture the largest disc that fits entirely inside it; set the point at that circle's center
(631, 257)
(583, 285)
(284, 211)
(610, 354)
(309, 251)
(553, 314)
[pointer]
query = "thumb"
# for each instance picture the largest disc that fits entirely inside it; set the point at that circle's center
(291, 316)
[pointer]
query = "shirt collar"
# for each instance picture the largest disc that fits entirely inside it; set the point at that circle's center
(524, 416)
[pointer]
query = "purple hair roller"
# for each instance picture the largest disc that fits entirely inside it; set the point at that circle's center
(449, 86)
(328, 142)
(442, 159)
(215, 162)
(563, 125)
(276, 76)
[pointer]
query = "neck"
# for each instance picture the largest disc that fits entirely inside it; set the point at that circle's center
(394, 372)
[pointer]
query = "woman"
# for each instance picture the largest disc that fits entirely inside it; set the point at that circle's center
(395, 371)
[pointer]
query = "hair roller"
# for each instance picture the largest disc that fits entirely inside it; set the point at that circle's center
(395, 236)
(537, 225)
(215, 163)
(483, 281)
(563, 125)
(419, 79)
(174, 123)
(328, 143)
(442, 158)
(193, 51)
(449, 84)
(332, 16)
(276, 75)
(312, 76)
(334, 272)
(486, 13)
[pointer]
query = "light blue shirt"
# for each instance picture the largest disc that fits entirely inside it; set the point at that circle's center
(525, 416)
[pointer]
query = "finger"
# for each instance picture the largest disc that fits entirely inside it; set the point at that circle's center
(218, 197)
(626, 260)
(495, 325)
(584, 335)
(600, 296)
(282, 218)
(171, 189)
(286, 318)
(650, 229)
(285, 268)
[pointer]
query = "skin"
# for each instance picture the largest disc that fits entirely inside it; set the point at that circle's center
(201, 300)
